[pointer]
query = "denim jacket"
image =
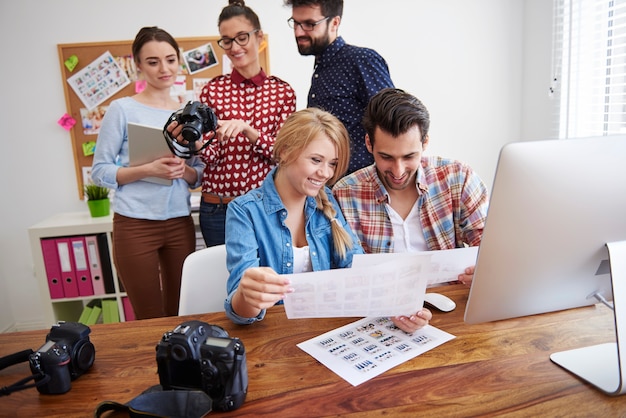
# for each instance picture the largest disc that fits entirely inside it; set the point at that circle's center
(256, 236)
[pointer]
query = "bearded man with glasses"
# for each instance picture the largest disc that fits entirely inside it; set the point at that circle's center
(345, 76)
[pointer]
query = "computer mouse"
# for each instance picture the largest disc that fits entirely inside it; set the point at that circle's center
(439, 302)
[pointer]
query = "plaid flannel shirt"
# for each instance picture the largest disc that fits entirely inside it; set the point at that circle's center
(452, 203)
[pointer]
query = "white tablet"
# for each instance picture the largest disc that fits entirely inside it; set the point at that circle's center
(146, 144)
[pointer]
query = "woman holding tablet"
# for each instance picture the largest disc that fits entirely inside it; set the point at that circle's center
(153, 231)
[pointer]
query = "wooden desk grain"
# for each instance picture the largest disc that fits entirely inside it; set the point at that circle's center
(493, 369)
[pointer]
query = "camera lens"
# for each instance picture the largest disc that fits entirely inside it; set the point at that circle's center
(192, 131)
(179, 353)
(85, 356)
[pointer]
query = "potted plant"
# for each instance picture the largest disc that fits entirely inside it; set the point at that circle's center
(97, 200)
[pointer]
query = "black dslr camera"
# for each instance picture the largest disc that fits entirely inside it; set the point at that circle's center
(66, 355)
(196, 119)
(196, 355)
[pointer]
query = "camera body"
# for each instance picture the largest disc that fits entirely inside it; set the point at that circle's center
(51, 362)
(65, 356)
(197, 119)
(196, 355)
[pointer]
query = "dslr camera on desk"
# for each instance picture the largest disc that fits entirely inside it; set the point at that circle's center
(199, 356)
(65, 356)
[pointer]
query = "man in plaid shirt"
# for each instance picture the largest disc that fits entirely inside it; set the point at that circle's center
(406, 201)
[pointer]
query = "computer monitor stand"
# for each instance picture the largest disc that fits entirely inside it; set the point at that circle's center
(601, 365)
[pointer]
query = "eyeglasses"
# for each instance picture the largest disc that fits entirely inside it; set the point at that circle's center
(242, 40)
(306, 26)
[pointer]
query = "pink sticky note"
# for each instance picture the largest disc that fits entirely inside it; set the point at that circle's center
(67, 122)
(140, 85)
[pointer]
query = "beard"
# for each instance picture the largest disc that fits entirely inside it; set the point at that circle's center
(316, 45)
(387, 180)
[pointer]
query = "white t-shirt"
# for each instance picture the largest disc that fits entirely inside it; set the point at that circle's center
(301, 260)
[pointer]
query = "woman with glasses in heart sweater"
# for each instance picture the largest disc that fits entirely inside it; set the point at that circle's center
(251, 107)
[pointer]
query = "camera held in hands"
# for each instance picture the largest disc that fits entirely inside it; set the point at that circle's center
(65, 356)
(196, 355)
(196, 119)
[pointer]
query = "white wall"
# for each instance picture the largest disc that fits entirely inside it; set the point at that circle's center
(538, 111)
(473, 63)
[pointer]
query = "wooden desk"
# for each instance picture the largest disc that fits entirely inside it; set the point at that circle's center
(494, 369)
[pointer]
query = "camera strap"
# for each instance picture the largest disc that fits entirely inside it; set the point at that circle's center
(15, 358)
(225, 402)
(158, 403)
(21, 384)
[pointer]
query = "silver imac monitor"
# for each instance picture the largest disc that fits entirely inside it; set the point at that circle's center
(555, 238)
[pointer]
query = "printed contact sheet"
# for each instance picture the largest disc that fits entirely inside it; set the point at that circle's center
(364, 349)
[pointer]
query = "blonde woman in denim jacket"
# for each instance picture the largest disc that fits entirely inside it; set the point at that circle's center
(292, 223)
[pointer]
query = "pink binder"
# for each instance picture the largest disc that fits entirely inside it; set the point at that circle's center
(66, 262)
(53, 270)
(81, 266)
(95, 267)
(129, 314)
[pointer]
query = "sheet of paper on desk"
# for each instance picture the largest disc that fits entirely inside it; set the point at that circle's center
(364, 349)
(386, 289)
(439, 266)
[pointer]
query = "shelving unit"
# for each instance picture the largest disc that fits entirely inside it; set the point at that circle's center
(66, 225)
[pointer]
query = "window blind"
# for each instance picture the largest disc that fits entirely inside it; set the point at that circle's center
(589, 67)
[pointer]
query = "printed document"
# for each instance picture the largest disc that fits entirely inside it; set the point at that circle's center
(376, 285)
(366, 348)
(439, 267)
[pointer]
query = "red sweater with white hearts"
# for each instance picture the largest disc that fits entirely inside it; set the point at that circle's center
(264, 102)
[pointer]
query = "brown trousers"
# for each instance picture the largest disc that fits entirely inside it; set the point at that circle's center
(149, 257)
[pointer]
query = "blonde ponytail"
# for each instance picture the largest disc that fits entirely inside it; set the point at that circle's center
(341, 239)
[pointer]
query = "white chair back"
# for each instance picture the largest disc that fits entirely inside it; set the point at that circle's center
(203, 285)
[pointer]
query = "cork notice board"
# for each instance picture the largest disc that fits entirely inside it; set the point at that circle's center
(87, 111)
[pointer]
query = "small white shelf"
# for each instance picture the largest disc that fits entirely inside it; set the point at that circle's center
(65, 225)
(72, 224)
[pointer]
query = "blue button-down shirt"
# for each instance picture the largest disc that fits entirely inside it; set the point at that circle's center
(256, 235)
(345, 78)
